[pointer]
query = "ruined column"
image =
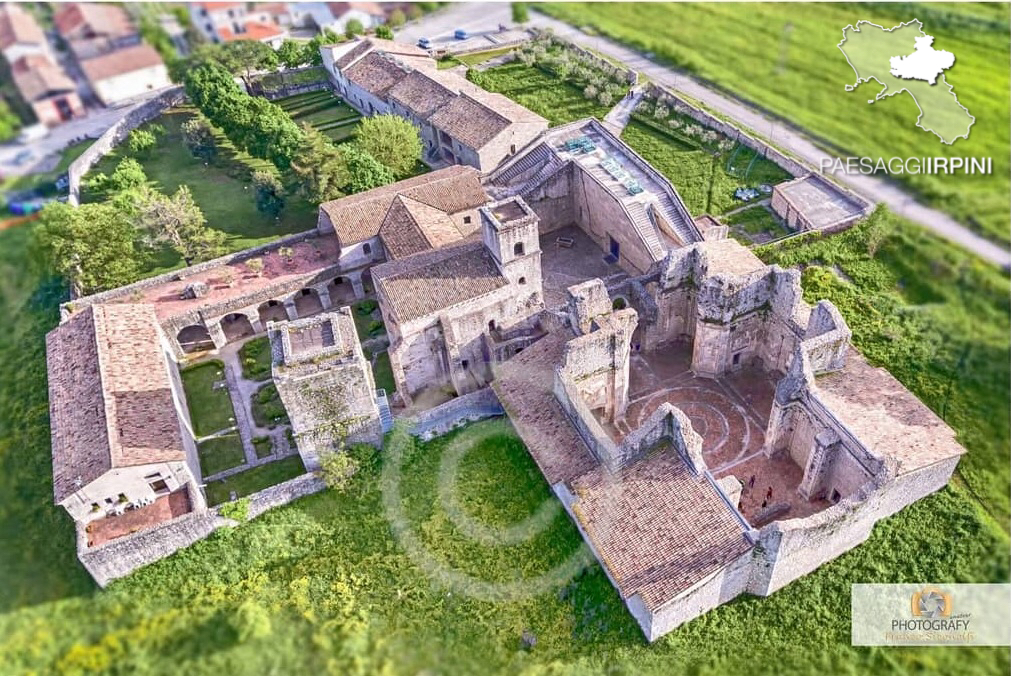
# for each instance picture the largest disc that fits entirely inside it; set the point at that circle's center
(357, 285)
(825, 444)
(290, 309)
(324, 296)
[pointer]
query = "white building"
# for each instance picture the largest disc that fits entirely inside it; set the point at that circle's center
(126, 73)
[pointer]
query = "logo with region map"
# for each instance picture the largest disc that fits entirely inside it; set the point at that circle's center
(903, 59)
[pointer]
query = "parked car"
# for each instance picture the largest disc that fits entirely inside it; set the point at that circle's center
(460, 34)
(425, 43)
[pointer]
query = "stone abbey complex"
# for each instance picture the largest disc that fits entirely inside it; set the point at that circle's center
(709, 432)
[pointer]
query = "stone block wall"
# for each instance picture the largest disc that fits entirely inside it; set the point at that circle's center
(444, 418)
(115, 134)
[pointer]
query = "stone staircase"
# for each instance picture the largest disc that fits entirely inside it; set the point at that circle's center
(385, 416)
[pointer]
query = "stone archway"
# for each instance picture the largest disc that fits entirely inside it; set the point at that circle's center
(272, 311)
(236, 326)
(307, 302)
(195, 338)
(342, 291)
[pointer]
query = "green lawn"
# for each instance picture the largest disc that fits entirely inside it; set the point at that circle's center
(263, 446)
(480, 57)
(210, 407)
(755, 224)
(558, 102)
(222, 189)
(220, 453)
(324, 112)
(254, 355)
(383, 373)
(700, 177)
(268, 411)
(784, 58)
(254, 479)
(368, 319)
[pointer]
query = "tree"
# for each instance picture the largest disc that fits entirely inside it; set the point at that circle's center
(365, 170)
(385, 32)
(337, 469)
(269, 193)
(321, 168)
(397, 18)
(141, 142)
(129, 174)
(521, 13)
(392, 140)
(178, 221)
(255, 265)
(413, 12)
(9, 122)
(352, 28)
(93, 246)
(198, 135)
(290, 54)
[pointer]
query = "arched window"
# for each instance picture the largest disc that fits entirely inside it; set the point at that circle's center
(491, 325)
(523, 280)
(518, 249)
(367, 249)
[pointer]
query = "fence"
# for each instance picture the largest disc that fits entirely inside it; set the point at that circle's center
(115, 134)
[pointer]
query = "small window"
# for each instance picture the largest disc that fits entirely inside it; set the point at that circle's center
(491, 325)
(466, 220)
(523, 280)
(159, 487)
(306, 292)
(737, 359)
(518, 249)
(464, 363)
(512, 149)
(367, 249)
(836, 496)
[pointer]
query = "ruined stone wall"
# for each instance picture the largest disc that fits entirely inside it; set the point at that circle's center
(723, 586)
(793, 548)
(457, 412)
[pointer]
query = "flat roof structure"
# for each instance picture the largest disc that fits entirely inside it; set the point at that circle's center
(821, 203)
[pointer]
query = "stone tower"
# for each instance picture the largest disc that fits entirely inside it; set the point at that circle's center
(325, 383)
(510, 232)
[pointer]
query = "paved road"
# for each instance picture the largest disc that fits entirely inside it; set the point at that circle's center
(477, 16)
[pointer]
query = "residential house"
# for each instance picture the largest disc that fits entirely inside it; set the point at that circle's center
(47, 89)
(229, 21)
(125, 73)
(20, 34)
(93, 29)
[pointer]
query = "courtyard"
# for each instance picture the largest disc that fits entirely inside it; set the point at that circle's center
(731, 415)
(569, 257)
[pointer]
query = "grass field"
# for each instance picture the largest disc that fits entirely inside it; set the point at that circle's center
(701, 178)
(254, 479)
(221, 189)
(220, 453)
(557, 102)
(210, 407)
(755, 224)
(254, 355)
(324, 112)
(382, 371)
(783, 57)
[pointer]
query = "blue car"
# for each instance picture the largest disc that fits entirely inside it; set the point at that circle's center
(460, 34)
(425, 43)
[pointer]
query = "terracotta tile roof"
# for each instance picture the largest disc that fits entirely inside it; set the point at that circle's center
(469, 122)
(254, 31)
(359, 217)
(884, 416)
(376, 73)
(110, 397)
(36, 77)
(121, 61)
(422, 93)
(524, 385)
(91, 18)
(18, 27)
(408, 54)
(217, 6)
(411, 227)
(430, 282)
(658, 527)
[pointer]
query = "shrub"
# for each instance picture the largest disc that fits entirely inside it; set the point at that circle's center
(376, 327)
(384, 32)
(251, 621)
(367, 307)
(605, 98)
(237, 510)
(337, 469)
(268, 192)
(141, 142)
(590, 92)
